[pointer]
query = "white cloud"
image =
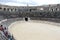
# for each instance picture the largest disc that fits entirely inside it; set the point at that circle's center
(44, 2)
(14, 4)
(32, 2)
(22, 0)
(41, 2)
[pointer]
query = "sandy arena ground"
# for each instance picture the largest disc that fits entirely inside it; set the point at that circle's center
(22, 30)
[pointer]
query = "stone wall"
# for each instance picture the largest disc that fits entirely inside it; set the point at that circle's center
(33, 12)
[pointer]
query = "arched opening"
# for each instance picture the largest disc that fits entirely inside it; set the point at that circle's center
(0, 8)
(8, 9)
(4, 9)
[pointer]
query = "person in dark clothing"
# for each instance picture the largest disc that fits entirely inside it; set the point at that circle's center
(6, 32)
(26, 19)
(9, 37)
(1, 28)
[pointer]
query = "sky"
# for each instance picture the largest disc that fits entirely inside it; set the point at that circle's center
(29, 2)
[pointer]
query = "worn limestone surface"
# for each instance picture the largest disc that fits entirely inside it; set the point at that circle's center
(22, 30)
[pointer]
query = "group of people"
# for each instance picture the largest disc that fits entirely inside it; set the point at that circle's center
(5, 32)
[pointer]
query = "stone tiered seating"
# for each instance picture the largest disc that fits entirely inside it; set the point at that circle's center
(6, 23)
(2, 36)
(1, 18)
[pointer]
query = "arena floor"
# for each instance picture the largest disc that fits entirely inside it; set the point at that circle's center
(30, 30)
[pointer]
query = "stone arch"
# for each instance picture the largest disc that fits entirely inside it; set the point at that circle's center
(0, 7)
(57, 9)
(4, 9)
(8, 9)
(52, 9)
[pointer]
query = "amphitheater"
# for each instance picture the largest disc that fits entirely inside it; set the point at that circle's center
(31, 22)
